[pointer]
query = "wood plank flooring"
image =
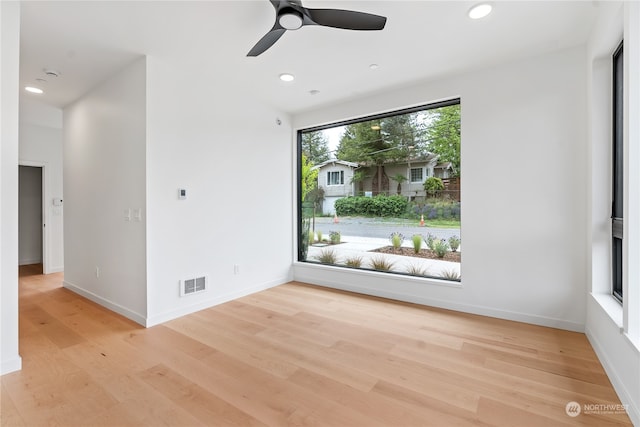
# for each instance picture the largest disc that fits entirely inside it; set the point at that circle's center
(294, 355)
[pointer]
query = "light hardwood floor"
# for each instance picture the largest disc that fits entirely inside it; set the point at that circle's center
(294, 355)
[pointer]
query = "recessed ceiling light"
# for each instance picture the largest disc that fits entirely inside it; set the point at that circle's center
(286, 77)
(34, 90)
(314, 91)
(480, 11)
(374, 66)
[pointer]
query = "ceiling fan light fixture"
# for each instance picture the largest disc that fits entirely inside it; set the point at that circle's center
(291, 15)
(290, 19)
(480, 11)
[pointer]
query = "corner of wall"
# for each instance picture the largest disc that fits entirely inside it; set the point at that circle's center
(9, 83)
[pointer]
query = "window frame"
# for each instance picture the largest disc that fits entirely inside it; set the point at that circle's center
(422, 175)
(301, 252)
(339, 173)
(617, 173)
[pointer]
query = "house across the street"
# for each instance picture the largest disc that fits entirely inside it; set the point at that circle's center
(339, 178)
(335, 177)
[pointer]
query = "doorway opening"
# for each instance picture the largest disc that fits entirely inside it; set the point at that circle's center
(31, 219)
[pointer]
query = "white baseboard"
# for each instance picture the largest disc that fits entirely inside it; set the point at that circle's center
(11, 365)
(633, 410)
(218, 299)
(395, 294)
(129, 314)
(172, 314)
(56, 269)
(30, 261)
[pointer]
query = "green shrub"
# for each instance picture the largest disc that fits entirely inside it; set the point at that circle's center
(417, 243)
(440, 247)
(454, 243)
(353, 261)
(334, 237)
(433, 186)
(435, 209)
(451, 275)
(319, 234)
(327, 256)
(381, 263)
(384, 206)
(417, 270)
(430, 241)
(396, 240)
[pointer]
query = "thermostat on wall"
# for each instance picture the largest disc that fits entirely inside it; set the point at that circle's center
(182, 194)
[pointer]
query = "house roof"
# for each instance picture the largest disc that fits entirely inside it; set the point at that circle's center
(333, 162)
(430, 157)
(445, 165)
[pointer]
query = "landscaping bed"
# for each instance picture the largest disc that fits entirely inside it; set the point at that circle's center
(423, 253)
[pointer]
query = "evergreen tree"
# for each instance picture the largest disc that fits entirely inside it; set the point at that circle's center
(375, 142)
(315, 146)
(443, 135)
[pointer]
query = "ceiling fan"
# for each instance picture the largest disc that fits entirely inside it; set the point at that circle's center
(291, 15)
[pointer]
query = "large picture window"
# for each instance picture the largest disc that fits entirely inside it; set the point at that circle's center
(617, 213)
(382, 209)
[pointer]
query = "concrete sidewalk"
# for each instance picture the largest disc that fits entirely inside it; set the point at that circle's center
(354, 246)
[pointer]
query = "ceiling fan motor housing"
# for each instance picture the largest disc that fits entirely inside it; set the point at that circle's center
(289, 18)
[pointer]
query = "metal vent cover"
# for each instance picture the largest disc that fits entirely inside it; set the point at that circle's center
(192, 286)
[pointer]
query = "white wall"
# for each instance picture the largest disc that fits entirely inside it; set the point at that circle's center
(41, 144)
(208, 137)
(211, 137)
(9, 67)
(524, 255)
(610, 327)
(104, 177)
(29, 215)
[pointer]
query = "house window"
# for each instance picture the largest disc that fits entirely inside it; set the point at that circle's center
(335, 178)
(382, 151)
(617, 175)
(416, 175)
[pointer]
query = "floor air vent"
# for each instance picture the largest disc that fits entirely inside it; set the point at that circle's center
(192, 286)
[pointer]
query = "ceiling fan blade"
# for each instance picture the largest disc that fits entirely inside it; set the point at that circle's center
(346, 19)
(267, 40)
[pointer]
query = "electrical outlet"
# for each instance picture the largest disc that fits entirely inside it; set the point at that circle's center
(236, 268)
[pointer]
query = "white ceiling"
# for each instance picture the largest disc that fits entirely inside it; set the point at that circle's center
(87, 41)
